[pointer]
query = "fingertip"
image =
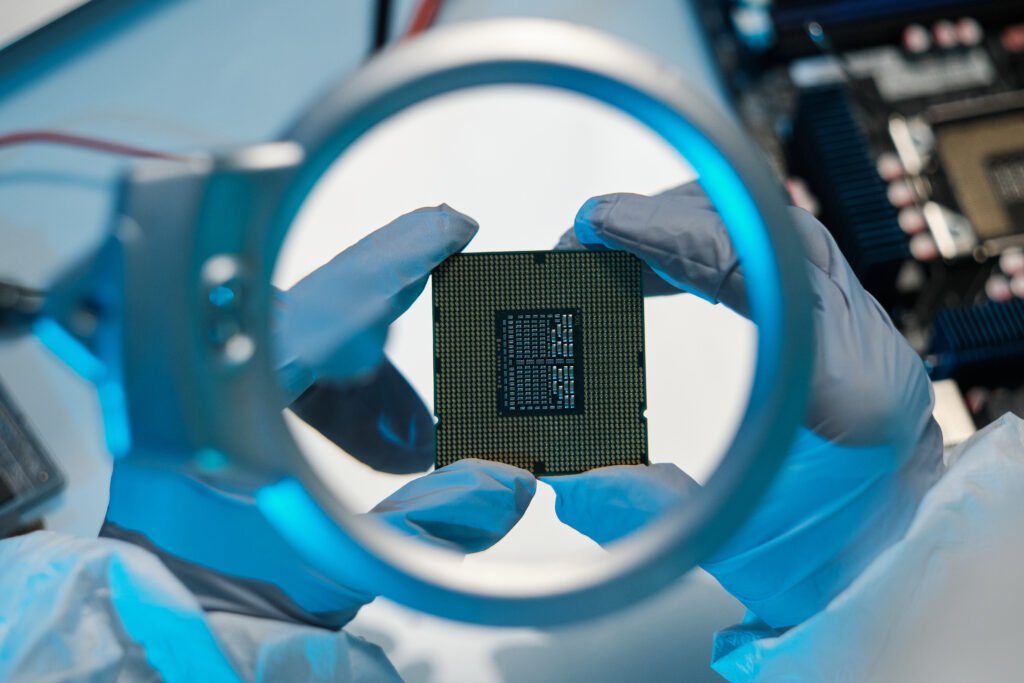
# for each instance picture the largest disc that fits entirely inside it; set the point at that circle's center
(521, 484)
(447, 216)
(591, 208)
(588, 219)
(508, 475)
(430, 234)
(568, 242)
(457, 218)
(561, 483)
(460, 226)
(555, 485)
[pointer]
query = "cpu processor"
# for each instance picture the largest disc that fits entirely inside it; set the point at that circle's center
(984, 161)
(539, 360)
(976, 183)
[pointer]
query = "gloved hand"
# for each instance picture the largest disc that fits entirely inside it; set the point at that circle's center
(332, 324)
(869, 449)
(330, 333)
(225, 552)
(331, 329)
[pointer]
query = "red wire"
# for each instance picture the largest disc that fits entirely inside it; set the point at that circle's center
(423, 18)
(58, 138)
(425, 15)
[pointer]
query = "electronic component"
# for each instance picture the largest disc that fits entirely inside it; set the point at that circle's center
(905, 121)
(952, 413)
(981, 344)
(539, 353)
(947, 24)
(981, 156)
(27, 475)
(989, 404)
(830, 151)
(539, 360)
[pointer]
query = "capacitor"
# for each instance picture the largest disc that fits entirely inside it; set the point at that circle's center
(1017, 285)
(997, 288)
(916, 39)
(901, 194)
(923, 247)
(1011, 262)
(945, 35)
(889, 166)
(911, 220)
(969, 31)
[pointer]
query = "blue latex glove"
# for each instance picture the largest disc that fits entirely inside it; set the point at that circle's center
(867, 454)
(330, 333)
(221, 547)
(380, 420)
(215, 539)
(333, 323)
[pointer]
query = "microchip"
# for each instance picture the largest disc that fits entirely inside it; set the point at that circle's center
(983, 161)
(1006, 174)
(539, 352)
(539, 360)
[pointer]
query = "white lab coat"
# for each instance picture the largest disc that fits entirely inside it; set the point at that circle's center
(943, 604)
(946, 603)
(99, 609)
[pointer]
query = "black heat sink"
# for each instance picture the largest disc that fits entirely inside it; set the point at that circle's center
(982, 344)
(830, 152)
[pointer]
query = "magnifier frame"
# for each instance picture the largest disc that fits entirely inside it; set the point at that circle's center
(225, 385)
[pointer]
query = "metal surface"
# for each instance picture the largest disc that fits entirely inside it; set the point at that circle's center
(189, 396)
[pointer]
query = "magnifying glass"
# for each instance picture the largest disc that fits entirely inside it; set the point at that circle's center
(200, 393)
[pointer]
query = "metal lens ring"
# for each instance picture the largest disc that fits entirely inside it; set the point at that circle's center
(743, 189)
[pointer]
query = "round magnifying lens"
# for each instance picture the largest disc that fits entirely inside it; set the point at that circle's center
(306, 508)
(360, 520)
(520, 160)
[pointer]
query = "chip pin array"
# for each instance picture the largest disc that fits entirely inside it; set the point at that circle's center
(539, 360)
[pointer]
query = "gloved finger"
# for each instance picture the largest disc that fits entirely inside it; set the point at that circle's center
(224, 548)
(609, 503)
(868, 386)
(354, 297)
(381, 421)
(467, 506)
(353, 361)
(676, 234)
(824, 517)
(864, 371)
(691, 193)
(821, 250)
(653, 284)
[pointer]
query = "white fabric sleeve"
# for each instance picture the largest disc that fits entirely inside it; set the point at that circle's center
(942, 604)
(101, 609)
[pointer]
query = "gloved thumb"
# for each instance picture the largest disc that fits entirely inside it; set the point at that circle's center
(333, 323)
(467, 506)
(609, 503)
(677, 234)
